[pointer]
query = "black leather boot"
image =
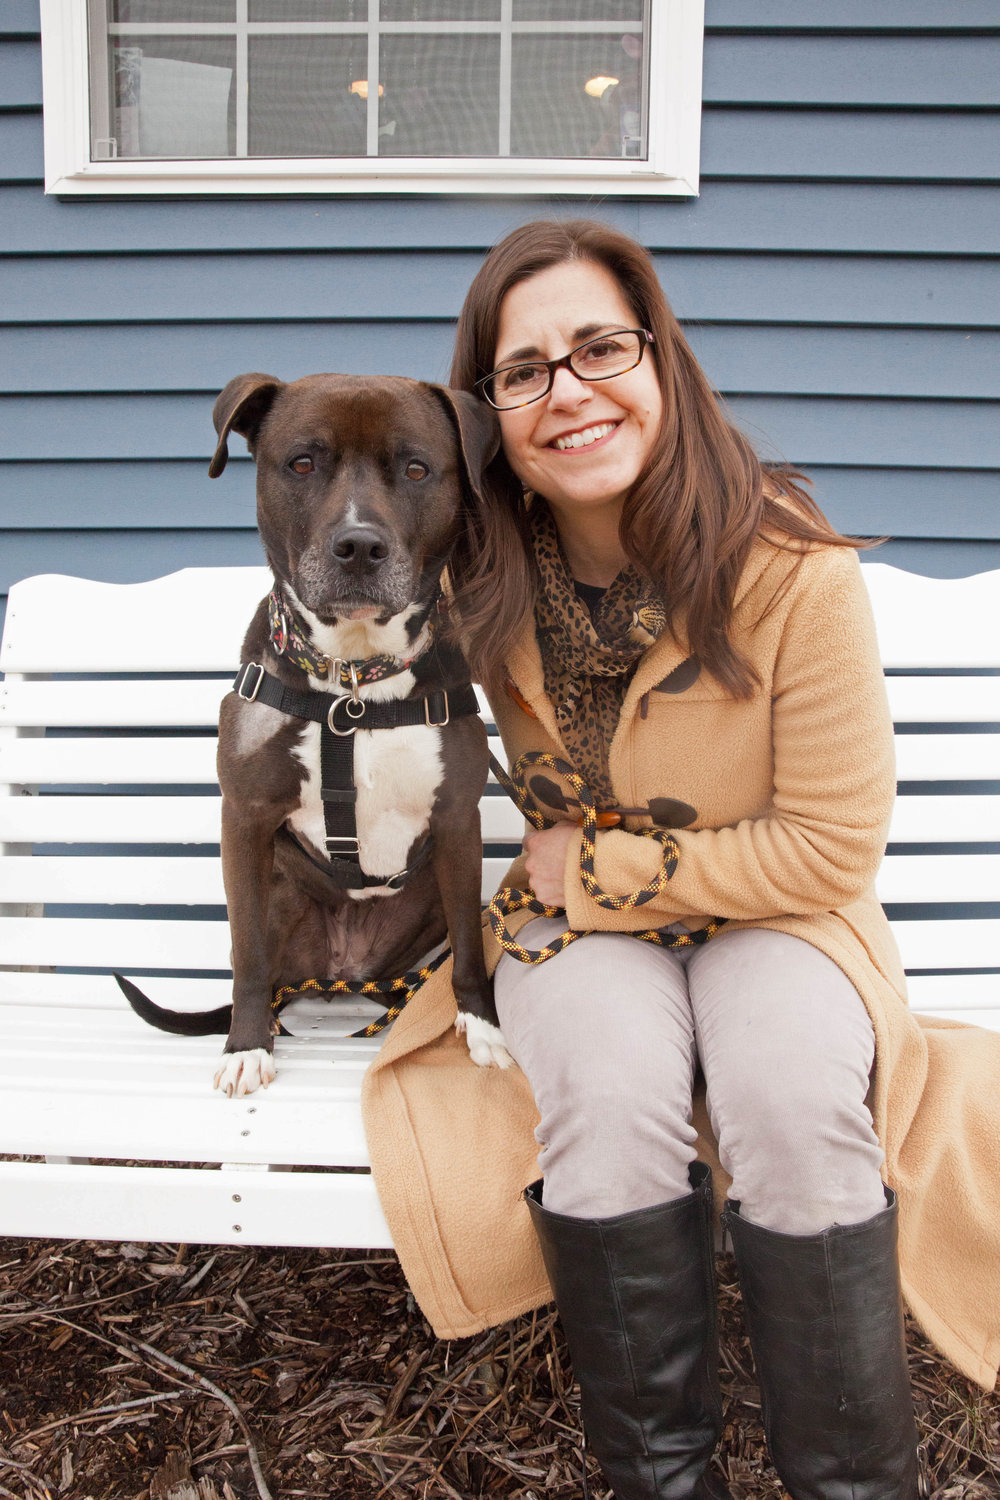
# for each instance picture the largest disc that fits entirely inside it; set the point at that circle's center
(826, 1326)
(636, 1296)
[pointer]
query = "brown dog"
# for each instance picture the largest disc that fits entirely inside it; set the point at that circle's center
(351, 758)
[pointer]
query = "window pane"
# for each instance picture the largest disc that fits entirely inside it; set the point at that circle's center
(171, 10)
(439, 10)
(172, 96)
(440, 96)
(307, 95)
(309, 10)
(577, 96)
(577, 10)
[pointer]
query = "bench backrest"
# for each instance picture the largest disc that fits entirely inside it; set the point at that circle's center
(109, 809)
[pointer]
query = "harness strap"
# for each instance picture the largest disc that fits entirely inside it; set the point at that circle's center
(345, 714)
(339, 718)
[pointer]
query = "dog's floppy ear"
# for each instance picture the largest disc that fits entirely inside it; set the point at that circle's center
(477, 427)
(241, 408)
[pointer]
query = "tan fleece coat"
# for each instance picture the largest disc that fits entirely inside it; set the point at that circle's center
(793, 790)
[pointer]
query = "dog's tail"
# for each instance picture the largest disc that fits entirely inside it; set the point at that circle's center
(181, 1023)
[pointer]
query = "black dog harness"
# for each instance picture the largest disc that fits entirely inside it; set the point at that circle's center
(339, 720)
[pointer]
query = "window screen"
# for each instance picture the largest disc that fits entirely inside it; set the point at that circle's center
(209, 79)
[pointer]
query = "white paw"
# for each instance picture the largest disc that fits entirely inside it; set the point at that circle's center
(486, 1044)
(243, 1072)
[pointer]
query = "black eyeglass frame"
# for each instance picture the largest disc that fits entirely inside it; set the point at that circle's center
(565, 363)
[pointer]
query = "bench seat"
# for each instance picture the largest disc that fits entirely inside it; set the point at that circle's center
(109, 829)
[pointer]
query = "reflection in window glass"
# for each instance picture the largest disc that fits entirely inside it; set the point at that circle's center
(577, 10)
(308, 95)
(577, 96)
(172, 96)
(308, 10)
(439, 10)
(133, 11)
(439, 95)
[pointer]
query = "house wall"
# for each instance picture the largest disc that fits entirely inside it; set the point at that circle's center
(837, 277)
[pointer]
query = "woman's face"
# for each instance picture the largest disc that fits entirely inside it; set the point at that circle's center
(618, 419)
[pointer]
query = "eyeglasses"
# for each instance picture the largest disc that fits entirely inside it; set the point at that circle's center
(598, 359)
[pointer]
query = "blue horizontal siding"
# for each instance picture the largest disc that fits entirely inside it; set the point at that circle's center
(806, 217)
(897, 144)
(165, 495)
(19, 18)
(933, 71)
(124, 556)
(764, 358)
(20, 75)
(761, 288)
(837, 278)
(821, 430)
(852, 15)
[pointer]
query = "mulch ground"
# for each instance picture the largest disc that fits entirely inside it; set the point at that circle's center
(165, 1372)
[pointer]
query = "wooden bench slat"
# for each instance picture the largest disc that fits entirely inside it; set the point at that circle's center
(192, 881)
(948, 757)
(109, 760)
(940, 994)
(933, 622)
(945, 820)
(196, 1207)
(948, 943)
(137, 702)
(140, 880)
(38, 988)
(81, 942)
(944, 700)
(192, 620)
(110, 820)
(939, 877)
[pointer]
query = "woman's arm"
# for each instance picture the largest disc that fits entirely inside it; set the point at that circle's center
(821, 842)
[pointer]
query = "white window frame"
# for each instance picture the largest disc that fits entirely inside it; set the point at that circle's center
(670, 169)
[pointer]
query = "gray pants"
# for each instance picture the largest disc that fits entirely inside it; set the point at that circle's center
(610, 1031)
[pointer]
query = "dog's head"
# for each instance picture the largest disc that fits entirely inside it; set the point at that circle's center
(363, 484)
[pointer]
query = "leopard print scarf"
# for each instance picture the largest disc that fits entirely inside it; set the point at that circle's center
(589, 660)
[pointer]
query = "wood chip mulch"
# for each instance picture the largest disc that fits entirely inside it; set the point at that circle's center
(165, 1372)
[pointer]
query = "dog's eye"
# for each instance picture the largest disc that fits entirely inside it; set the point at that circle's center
(416, 470)
(302, 465)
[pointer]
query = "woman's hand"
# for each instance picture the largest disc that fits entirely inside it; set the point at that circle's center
(546, 861)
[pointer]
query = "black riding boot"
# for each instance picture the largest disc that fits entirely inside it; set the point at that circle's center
(826, 1326)
(636, 1296)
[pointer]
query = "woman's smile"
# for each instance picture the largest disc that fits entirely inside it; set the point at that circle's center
(572, 441)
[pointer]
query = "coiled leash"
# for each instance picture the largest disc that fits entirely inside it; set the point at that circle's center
(406, 986)
(509, 900)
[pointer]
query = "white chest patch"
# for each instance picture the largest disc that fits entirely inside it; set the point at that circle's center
(397, 773)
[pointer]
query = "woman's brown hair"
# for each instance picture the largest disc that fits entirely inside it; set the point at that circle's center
(692, 515)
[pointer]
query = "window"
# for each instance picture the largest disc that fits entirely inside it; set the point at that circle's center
(160, 96)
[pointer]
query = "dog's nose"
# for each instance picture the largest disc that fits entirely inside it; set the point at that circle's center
(359, 548)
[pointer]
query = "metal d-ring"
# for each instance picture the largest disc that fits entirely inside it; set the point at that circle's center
(353, 707)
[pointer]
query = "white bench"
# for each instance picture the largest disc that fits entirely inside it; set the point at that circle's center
(111, 809)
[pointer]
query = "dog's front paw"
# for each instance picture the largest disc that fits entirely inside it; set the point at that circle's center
(485, 1041)
(243, 1072)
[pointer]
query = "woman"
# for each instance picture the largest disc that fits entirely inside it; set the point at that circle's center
(708, 665)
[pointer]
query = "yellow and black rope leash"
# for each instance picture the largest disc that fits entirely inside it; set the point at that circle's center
(406, 986)
(508, 900)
